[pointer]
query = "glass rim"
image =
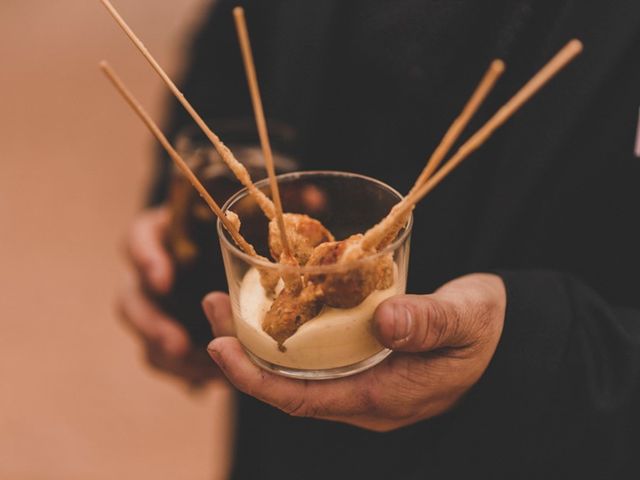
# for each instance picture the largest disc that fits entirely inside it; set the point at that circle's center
(263, 263)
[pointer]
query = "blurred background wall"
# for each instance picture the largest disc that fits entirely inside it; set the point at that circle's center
(76, 399)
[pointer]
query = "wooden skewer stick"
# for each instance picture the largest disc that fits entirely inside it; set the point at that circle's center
(181, 164)
(373, 236)
(485, 86)
(236, 167)
(459, 124)
(261, 123)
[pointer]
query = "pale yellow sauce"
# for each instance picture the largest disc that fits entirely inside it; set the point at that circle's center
(335, 338)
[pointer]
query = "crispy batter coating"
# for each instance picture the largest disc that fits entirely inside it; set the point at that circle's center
(291, 278)
(269, 279)
(290, 310)
(304, 234)
(233, 218)
(345, 288)
(348, 288)
(392, 232)
(384, 272)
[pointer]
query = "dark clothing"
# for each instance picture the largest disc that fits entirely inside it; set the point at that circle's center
(551, 202)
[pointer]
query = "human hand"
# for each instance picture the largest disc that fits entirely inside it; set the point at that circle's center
(166, 343)
(442, 345)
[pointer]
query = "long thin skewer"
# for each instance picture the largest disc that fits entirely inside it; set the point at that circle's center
(373, 236)
(495, 70)
(254, 89)
(181, 164)
(481, 92)
(236, 167)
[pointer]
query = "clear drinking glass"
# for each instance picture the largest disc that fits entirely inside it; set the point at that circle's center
(338, 342)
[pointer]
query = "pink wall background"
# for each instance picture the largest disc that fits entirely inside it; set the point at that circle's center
(76, 399)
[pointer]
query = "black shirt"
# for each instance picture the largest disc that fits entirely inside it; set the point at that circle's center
(551, 202)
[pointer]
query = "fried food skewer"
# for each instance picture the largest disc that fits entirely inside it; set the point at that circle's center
(261, 123)
(495, 70)
(292, 280)
(356, 248)
(292, 236)
(308, 231)
(227, 156)
(376, 234)
(491, 76)
(269, 279)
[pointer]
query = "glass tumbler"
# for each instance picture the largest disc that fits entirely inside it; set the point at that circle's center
(338, 341)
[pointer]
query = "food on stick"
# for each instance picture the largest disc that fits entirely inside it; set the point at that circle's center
(495, 70)
(304, 233)
(346, 289)
(269, 279)
(343, 273)
(290, 310)
(241, 173)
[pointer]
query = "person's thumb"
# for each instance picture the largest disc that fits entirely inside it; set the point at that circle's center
(417, 323)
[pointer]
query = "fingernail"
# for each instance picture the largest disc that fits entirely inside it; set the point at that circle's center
(403, 321)
(214, 353)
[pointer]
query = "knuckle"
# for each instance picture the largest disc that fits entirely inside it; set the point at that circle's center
(485, 309)
(156, 360)
(436, 323)
(384, 427)
(401, 405)
(404, 403)
(138, 233)
(296, 407)
(481, 322)
(255, 387)
(369, 401)
(302, 405)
